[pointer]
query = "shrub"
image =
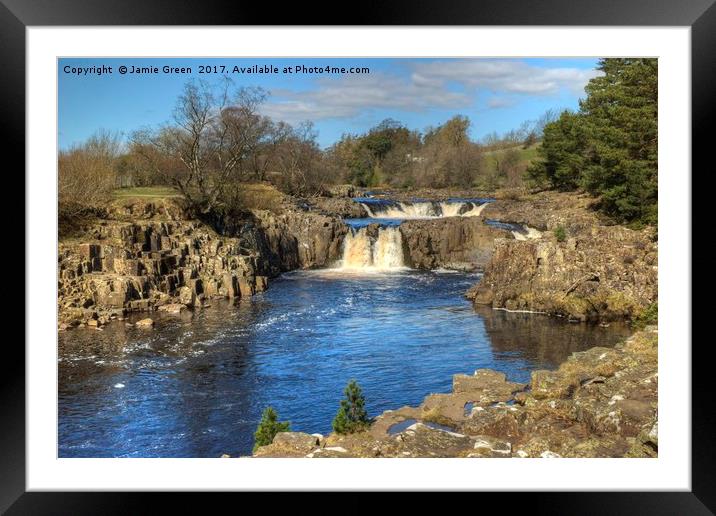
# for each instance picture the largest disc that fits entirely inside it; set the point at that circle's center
(268, 428)
(258, 196)
(352, 416)
(560, 233)
(650, 315)
(513, 194)
(87, 175)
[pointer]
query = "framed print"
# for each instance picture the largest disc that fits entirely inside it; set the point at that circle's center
(409, 248)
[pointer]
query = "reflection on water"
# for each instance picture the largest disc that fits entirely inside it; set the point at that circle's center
(543, 340)
(195, 385)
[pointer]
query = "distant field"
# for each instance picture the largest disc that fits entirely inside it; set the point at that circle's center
(526, 155)
(146, 192)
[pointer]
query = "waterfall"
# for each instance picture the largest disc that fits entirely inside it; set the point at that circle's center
(423, 210)
(388, 249)
(526, 233)
(364, 250)
(461, 209)
(519, 231)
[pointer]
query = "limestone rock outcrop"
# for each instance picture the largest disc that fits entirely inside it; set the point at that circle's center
(298, 239)
(135, 266)
(464, 243)
(346, 190)
(595, 272)
(343, 207)
(147, 256)
(290, 444)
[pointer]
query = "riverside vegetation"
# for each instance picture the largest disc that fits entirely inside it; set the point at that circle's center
(558, 217)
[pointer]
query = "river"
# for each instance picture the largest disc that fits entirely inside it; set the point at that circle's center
(196, 384)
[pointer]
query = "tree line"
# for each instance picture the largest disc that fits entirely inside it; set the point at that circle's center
(442, 156)
(217, 141)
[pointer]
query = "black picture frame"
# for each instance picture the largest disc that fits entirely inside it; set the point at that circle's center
(700, 15)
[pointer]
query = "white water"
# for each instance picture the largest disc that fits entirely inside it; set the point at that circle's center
(424, 210)
(531, 233)
(361, 252)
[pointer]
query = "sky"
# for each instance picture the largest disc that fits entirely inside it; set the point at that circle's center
(496, 94)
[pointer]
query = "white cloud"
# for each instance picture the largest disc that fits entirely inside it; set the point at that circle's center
(429, 85)
(350, 95)
(499, 102)
(505, 76)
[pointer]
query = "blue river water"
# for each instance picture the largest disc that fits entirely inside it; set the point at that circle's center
(196, 384)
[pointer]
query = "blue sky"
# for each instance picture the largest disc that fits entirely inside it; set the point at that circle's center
(496, 94)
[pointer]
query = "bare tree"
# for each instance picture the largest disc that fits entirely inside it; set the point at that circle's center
(547, 117)
(214, 132)
(264, 154)
(300, 164)
(508, 167)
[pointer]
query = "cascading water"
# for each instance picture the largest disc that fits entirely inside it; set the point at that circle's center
(388, 249)
(357, 251)
(527, 233)
(519, 231)
(423, 210)
(364, 250)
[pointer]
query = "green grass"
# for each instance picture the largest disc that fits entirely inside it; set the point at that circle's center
(560, 233)
(146, 192)
(526, 155)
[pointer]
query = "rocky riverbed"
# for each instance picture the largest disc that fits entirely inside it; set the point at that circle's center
(599, 403)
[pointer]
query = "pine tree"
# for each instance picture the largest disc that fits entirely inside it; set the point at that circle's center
(620, 114)
(562, 153)
(268, 428)
(352, 416)
(609, 147)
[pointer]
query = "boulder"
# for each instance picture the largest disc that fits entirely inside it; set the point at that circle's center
(493, 385)
(551, 384)
(488, 446)
(341, 191)
(172, 308)
(420, 440)
(495, 423)
(296, 440)
(289, 444)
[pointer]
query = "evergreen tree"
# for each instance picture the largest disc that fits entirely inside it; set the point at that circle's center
(562, 153)
(609, 147)
(352, 416)
(268, 428)
(620, 114)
